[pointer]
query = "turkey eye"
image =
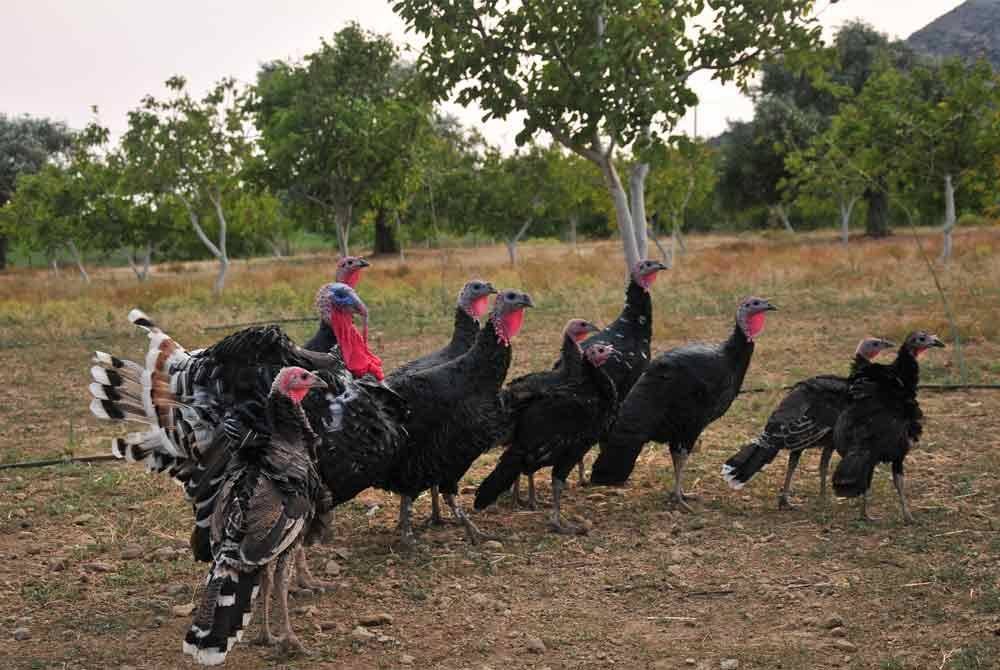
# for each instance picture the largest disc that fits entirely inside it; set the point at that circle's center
(510, 296)
(304, 376)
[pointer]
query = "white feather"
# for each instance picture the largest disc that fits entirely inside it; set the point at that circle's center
(100, 375)
(97, 390)
(226, 601)
(98, 410)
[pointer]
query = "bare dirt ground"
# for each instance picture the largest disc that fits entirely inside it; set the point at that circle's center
(648, 587)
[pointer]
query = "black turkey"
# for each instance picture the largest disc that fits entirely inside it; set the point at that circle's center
(266, 500)
(881, 423)
(455, 415)
(681, 392)
(554, 425)
(803, 420)
(521, 390)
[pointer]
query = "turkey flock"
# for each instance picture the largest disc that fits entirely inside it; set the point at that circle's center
(267, 437)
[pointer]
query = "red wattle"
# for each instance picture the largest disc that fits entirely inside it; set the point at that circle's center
(755, 324)
(649, 278)
(479, 306)
(358, 357)
(512, 323)
(352, 277)
(297, 394)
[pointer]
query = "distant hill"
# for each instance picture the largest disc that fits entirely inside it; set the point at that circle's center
(969, 31)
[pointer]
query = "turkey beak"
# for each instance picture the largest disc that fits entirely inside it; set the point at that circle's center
(363, 263)
(660, 266)
(315, 382)
(935, 342)
(888, 344)
(591, 328)
(490, 289)
(771, 308)
(525, 300)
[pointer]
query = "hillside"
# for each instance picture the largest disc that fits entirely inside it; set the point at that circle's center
(970, 30)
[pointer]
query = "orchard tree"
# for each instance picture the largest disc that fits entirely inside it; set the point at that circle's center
(194, 151)
(336, 126)
(683, 177)
(26, 145)
(600, 76)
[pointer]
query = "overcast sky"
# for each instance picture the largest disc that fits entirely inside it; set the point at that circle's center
(63, 56)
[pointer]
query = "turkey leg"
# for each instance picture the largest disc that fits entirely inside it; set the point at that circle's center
(264, 637)
(405, 525)
(679, 459)
(304, 577)
(555, 520)
(897, 479)
(865, 516)
(532, 501)
(290, 643)
(786, 490)
(581, 470)
(473, 534)
(824, 469)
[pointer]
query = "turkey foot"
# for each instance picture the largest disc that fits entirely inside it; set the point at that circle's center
(436, 518)
(290, 645)
(264, 637)
(533, 501)
(472, 533)
(678, 500)
(677, 496)
(784, 504)
(556, 524)
(865, 516)
(562, 528)
(304, 577)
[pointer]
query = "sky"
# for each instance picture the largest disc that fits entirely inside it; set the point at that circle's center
(64, 56)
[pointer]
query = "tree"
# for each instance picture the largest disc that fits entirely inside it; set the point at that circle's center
(599, 76)
(26, 144)
(577, 190)
(335, 126)
(194, 151)
(684, 177)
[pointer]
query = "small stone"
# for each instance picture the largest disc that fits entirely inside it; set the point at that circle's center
(690, 661)
(164, 554)
(83, 519)
(57, 565)
(675, 570)
(306, 610)
(379, 619)
(175, 589)
(22, 634)
(480, 599)
(406, 659)
(157, 621)
(729, 664)
(737, 525)
(696, 523)
(384, 639)
(834, 622)
(839, 631)
(131, 552)
(332, 568)
(183, 610)
(362, 635)
(99, 566)
(493, 545)
(342, 553)
(676, 556)
(328, 625)
(534, 645)
(845, 645)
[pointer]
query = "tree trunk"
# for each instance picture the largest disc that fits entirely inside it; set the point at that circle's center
(142, 274)
(949, 217)
(512, 243)
(622, 213)
(3, 253)
(219, 251)
(877, 222)
(637, 203)
(573, 220)
(782, 214)
(668, 256)
(385, 237)
(399, 237)
(54, 265)
(79, 260)
(342, 219)
(846, 208)
(275, 247)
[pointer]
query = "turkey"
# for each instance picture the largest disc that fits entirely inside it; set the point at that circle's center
(803, 420)
(680, 393)
(455, 415)
(198, 406)
(473, 301)
(348, 272)
(881, 423)
(520, 391)
(266, 500)
(337, 303)
(555, 424)
(631, 333)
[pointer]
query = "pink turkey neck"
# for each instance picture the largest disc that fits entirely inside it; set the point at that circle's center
(509, 325)
(755, 324)
(647, 279)
(478, 307)
(351, 277)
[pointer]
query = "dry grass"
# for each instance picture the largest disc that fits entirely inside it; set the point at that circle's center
(757, 584)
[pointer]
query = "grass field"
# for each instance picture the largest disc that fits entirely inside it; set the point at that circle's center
(647, 588)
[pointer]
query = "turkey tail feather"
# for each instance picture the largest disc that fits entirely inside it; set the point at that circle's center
(507, 471)
(853, 475)
(225, 609)
(751, 459)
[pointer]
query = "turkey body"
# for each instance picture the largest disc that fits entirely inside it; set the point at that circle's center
(681, 392)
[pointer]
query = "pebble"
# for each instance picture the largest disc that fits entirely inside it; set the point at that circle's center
(729, 664)
(57, 565)
(306, 610)
(844, 645)
(22, 634)
(839, 631)
(493, 545)
(157, 621)
(83, 519)
(834, 622)
(342, 553)
(183, 610)
(697, 523)
(328, 625)
(131, 552)
(690, 661)
(165, 554)
(99, 566)
(361, 634)
(332, 568)
(175, 589)
(535, 645)
(406, 659)
(379, 619)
